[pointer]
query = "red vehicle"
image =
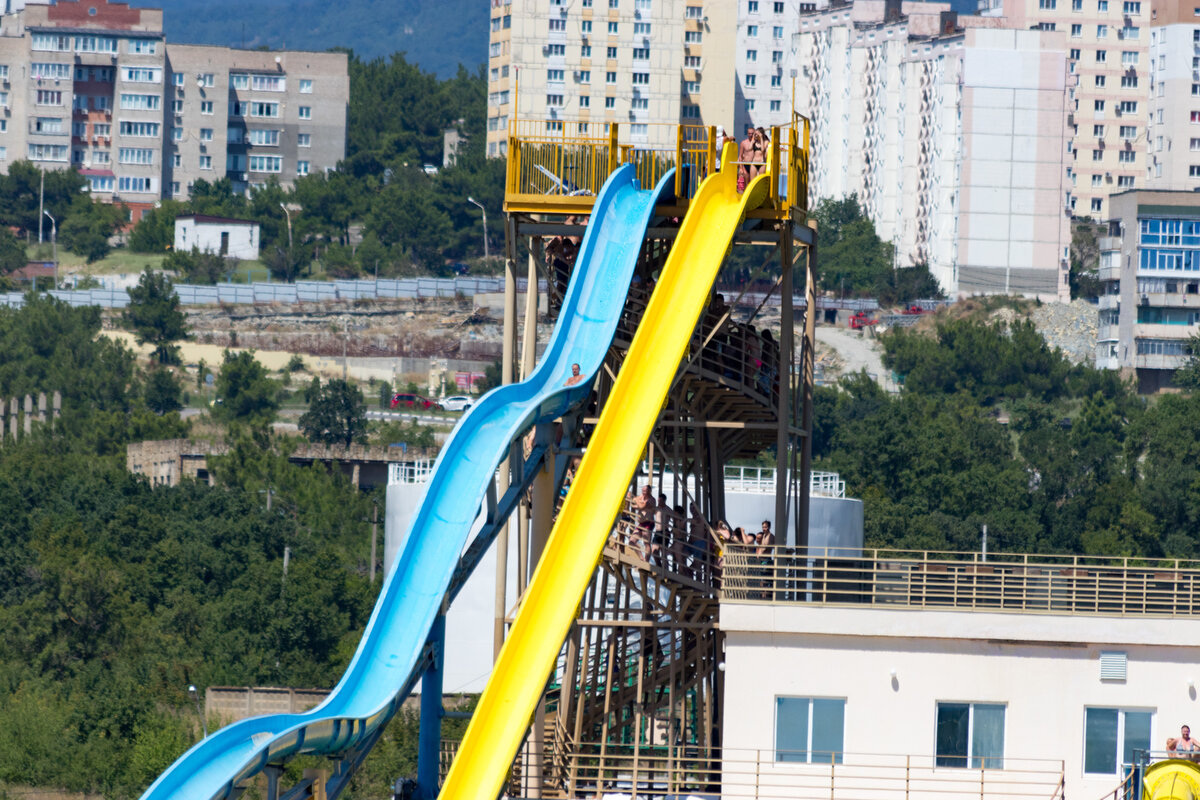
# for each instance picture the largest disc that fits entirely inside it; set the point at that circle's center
(414, 401)
(861, 320)
(915, 309)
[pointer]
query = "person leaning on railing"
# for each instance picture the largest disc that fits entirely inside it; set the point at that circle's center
(1185, 746)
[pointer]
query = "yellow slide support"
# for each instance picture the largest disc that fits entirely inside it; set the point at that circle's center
(577, 541)
(1174, 779)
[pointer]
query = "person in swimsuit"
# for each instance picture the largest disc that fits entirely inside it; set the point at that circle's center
(575, 376)
(745, 153)
(1185, 746)
(758, 153)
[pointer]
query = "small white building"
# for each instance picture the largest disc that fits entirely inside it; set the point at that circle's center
(235, 238)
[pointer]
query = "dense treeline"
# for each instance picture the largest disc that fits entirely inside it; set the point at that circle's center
(993, 427)
(115, 594)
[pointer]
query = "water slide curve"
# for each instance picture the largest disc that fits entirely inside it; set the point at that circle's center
(576, 543)
(381, 672)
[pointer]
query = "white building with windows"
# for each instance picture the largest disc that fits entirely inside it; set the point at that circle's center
(917, 673)
(233, 238)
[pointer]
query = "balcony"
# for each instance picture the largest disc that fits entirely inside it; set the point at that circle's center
(1148, 361)
(1109, 302)
(1005, 582)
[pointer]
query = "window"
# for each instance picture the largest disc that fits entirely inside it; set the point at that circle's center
(641, 53)
(260, 109)
(1101, 31)
(585, 76)
(1194, 171)
(1097, 204)
(610, 102)
(1128, 132)
(1125, 156)
(206, 80)
(970, 735)
(611, 52)
(1131, 7)
(752, 55)
(205, 162)
(610, 77)
(1098, 131)
(641, 29)
(1097, 155)
(1110, 737)
(1129, 32)
(692, 37)
(554, 75)
(612, 28)
(556, 49)
(1098, 105)
(810, 730)
(1047, 26)
(235, 135)
(238, 108)
(1100, 80)
(690, 112)
(641, 78)
(1194, 145)
(47, 71)
(691, 62)
(1074, 53)
(141, 102)
(776, 81)
(176, 161)
(136, 185)
(584, 101)
(777, 32)
(554, 99)
(1101, 56)
(752, 6)
(135, 155)
(177, 106)
(266, 164)
(694, 12)
(1131, 82)
(237, 82)
(749, 105)
(47, 98)
(558, 25)
(48, 152)
(1102, 5)
(691, 87)
(206, 107)
(145, 47)
(778, 8)
(1196, 117)
(1128, 106)
(206, 134)
(1077, 5)
(750, 80)
(145, 129)
(95, 44)
(176, 134)
(46, 125)
(78, 129)
(775, 105)
(752, 30)
(640, 103)
(1129, 58)
(585, 26)
(1097, 180)
(101, 129)
(776, 56)
(585, 51)
(301, 167)
(51, 42)
(1048, 5)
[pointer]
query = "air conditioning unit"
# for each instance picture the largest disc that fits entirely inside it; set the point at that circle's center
(1118, 111)
(578, 75)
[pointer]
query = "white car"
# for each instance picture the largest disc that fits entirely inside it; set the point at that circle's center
(458, 402)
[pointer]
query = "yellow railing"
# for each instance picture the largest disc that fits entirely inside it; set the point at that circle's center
(967, 581)
(561, 164)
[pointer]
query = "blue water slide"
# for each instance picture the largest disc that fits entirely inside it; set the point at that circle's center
(385, 667)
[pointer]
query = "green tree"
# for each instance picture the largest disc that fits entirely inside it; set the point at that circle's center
(153, 315)
(155, 231)
(19, 195)
(195, 266)
(163, 392)
(244, 392)
(88, 228)
(12, 253)
(336, 415)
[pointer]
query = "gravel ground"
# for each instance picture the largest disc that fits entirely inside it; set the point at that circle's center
(1071, 327)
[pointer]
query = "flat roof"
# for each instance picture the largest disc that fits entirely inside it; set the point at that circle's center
(205, 218)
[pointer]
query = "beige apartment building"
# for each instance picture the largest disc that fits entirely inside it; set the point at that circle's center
(646, 64)
(1107, 52)
(1173, 162)
(95, 85)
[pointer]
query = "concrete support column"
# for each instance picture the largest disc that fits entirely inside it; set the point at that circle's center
(12, 418)
(506, 376)
(807, 368)
(541, 524)
(783, 439)
(28, 414)
(41, 407)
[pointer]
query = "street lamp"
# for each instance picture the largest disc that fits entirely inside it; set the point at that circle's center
(475, 202)
(288, 208)
(54, 244)
(195, 695)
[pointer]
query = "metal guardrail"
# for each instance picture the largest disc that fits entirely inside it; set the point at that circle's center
(597, 769)
(761, 480)
(963, 581)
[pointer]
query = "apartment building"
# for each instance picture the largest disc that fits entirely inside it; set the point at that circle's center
(1150, 271)
(1107, 51)
(95, 85)
(646, 64)
(952, 133)
(1173, 136)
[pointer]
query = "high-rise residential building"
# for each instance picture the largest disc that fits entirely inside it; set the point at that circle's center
(95, 85)
(1173, 135)
(1107, 50)
(639, 63)
(953, 139)
(1150, 271)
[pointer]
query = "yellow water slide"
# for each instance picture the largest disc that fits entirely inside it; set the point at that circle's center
(1174, 779)
(577, 541)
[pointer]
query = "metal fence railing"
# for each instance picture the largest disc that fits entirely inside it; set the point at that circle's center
(965, 581)
(592, 769)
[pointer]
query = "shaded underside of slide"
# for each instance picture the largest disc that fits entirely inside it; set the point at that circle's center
(587, 516)
(382, 669)
(1174, 779)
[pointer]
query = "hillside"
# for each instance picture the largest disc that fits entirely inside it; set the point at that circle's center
(438, 36)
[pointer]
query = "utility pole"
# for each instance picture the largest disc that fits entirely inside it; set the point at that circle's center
(41, 204)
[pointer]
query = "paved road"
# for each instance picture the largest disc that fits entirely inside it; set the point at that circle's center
(857, 351)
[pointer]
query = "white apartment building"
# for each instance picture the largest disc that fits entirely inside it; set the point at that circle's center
(953, 139)
(645, 64)
(95, 85)
(1107, 53)
(1173, 136)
